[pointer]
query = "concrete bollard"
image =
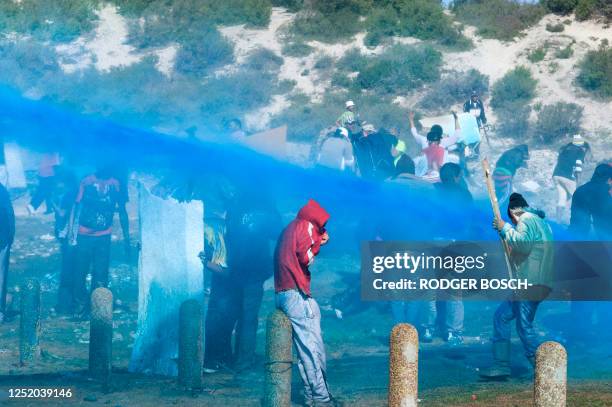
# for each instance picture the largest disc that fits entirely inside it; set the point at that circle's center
(403, 366)
(101, 334)
(190, 355)
(277, 390)
(550, 385)
(29, 324)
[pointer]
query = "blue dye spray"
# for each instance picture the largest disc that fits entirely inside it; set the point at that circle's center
(360, 210)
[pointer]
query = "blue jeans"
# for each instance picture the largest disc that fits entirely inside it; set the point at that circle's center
(524, 313)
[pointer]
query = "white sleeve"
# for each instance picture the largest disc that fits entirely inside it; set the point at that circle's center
(422, 141)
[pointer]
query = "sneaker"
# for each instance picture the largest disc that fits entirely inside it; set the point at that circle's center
(211, 369)
(454, 339)
(427, 335)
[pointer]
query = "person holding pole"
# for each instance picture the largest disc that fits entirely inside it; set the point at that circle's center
(531, 254)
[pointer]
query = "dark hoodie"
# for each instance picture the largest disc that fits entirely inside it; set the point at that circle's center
(299, 243)
(592, 206)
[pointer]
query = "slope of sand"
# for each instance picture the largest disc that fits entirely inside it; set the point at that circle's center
(555, 76)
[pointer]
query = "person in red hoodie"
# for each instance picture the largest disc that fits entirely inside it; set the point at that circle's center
(297, 247)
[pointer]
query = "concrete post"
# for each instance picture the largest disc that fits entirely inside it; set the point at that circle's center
(29, 324)
(550, 375)
(101, 334)
(403, 366)
(277, 390)
(190, 355)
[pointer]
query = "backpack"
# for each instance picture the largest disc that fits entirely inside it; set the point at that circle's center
(98, 206)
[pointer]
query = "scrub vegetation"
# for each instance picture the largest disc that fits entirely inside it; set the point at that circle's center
(596, 72)
(453, 88)
(499, 19)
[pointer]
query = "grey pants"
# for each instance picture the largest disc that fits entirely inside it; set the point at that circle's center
(305, 317)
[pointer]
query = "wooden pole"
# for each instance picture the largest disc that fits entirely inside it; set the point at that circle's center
(496, 213)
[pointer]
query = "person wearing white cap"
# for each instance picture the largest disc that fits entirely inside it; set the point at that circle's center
(568, 168)
(349, 114)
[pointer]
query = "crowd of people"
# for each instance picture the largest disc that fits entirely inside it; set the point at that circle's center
(83, 219)
(245, 243)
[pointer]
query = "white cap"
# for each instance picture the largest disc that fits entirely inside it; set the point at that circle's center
(349, 103)
(369, 128)
(577, 139)
(343, 131)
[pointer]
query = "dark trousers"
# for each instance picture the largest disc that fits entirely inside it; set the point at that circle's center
(249, 296)
(92, 255)
(65, 294)
(4, 267)
(524, 313)
(43, 192)
(220, 321)
(232, 304)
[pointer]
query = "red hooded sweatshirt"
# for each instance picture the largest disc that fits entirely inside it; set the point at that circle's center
(299, 243)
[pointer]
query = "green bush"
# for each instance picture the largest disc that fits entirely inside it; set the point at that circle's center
(516, 87)
(56, 20)
(424, 19)
(27, 64)
(352, 61)
(291, 5)
(329, 28)
(537, 55)
(227, 12)
(305, 119)
(400, 69)
(453, 88)
(585, 9)
(206, 50)
(596, 72)
(264, 60)
(604, 8)
(341, 80)
(513, 121)
(297, 49)
(382, 23)
(500, 19)
(334, 6)
(555, 28)
(557, 121)
(561, 6)
(565, 53)
(324, 62)
(234, 95)
(286, 86)
(251, 12)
